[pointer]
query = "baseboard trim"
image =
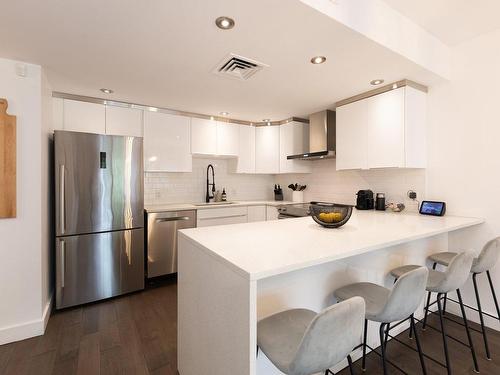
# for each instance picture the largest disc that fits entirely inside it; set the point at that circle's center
(27, 330)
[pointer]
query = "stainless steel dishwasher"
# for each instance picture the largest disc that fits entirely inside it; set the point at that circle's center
(162, 230)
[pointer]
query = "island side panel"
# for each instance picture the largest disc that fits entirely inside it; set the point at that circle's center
(216, 315)
(313, 287)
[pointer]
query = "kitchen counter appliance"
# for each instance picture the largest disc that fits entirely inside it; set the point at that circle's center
(162, 230)
(365, 200)
(99, 202)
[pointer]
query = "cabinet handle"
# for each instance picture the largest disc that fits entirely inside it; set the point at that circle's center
(63, 262)
(179, 218)
(62, 198)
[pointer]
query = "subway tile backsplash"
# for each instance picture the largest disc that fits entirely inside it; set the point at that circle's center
(325, 183)
(161, 188)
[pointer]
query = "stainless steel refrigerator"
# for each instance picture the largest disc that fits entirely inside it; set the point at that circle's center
(99, 204)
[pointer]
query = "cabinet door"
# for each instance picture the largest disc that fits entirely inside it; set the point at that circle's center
(386, 140)
(203, 136)
(267, 149)
(352, 138)
(228, 139)
(271, 213)
(256, 213)
(245, 163)
(167, 143)
(84, 117)
(294, 139)
(124, 121)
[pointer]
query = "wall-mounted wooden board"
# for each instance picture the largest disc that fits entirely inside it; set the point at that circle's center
(7, 162)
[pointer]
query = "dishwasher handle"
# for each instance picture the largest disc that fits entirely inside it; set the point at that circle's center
(176, 218)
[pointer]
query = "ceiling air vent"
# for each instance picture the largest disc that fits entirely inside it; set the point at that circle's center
(239, 67)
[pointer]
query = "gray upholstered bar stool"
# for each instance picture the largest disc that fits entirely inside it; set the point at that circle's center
(442, 283)
(301, 342)
(485, 261)
(388, 306)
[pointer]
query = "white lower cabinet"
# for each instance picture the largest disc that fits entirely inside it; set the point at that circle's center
(256, 213)
(267, 149)
(272, 213)
(222, 216)
(166, 143)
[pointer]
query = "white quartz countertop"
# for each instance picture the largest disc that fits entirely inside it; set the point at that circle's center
(200, 206)
(263, 249)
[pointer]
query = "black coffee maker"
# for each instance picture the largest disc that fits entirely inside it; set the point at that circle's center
(365, 200)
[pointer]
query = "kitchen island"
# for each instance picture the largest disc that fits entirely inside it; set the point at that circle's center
(231, 276)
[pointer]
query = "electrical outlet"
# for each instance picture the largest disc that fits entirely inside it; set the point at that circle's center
(412, 195)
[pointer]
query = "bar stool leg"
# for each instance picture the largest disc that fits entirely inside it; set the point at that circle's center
(351, 368)
(481, 319)
(473, 352)
(419, 347)
(365, 334)
(444, 303)
(493, 293)
(443, 333)
(424, 325)
(382, 345)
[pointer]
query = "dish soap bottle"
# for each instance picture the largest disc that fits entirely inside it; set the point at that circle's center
(224, 196)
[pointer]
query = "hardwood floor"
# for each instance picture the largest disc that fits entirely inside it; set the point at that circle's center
(137, 334)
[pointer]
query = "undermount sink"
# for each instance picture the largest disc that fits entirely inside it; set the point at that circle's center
(213, 203)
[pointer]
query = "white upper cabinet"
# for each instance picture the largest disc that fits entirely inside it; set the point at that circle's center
(228, 139)
(383, 131)
(245, 163)
(167, 146)
(294, 139)
(267, 149)
(124, 121)
(84, 117)
(203, 136)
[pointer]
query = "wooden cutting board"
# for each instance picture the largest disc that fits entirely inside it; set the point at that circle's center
(7, 162)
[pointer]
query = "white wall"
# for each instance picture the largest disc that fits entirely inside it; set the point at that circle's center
(162, 188)
(21, 273)
(464, 147)
(327, 184)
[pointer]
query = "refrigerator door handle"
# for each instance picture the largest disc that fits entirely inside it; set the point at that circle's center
(62, 198)
(63, 262)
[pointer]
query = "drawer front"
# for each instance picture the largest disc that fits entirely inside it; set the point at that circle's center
(207, 222)
(212, 213)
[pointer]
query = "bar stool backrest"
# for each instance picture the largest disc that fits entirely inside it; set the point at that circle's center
(406, 295)
(330, 337)
(457, 272)
(488, 257)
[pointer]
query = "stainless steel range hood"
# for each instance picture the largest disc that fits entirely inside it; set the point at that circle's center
(321, 137)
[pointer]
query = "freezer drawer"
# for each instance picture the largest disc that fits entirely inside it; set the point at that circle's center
(91, 267)
(162, 239)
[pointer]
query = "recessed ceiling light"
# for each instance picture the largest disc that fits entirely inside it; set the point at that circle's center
(224, 113)
(318, 59)
(376, 82)
(107, 91)
(394, 85)
(212, 118)
(224, 23)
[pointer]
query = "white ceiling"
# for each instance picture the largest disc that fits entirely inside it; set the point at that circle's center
(161, 53)
(451, 21)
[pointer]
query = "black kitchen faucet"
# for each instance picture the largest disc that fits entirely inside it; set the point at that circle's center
(208, 196)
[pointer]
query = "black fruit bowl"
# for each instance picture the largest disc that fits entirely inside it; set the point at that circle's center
(340, 214)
